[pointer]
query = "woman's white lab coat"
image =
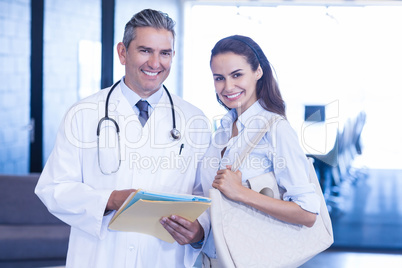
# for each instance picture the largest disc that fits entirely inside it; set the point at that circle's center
(74, 189)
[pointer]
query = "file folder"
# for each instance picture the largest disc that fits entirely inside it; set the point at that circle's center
(142, 211)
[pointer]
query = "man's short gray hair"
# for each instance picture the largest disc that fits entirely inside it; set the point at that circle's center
(147, 18)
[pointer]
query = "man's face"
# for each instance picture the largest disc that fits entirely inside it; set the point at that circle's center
(147, 60)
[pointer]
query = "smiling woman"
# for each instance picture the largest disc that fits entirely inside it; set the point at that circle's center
(245, 85)
(246, 72)
(235, 81)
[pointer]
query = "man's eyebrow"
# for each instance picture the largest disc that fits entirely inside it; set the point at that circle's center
(169, 50)
(144, 47)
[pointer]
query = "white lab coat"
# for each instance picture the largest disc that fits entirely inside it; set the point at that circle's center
(74, 189)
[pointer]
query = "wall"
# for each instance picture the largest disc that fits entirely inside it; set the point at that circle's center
(66, 24)
(15, 19)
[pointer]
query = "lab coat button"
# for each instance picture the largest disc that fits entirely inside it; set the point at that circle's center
(131, 247)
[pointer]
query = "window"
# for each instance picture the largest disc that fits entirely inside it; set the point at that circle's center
(322, 55)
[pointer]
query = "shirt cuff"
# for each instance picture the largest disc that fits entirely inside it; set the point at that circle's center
(309, 200)
(198, 245)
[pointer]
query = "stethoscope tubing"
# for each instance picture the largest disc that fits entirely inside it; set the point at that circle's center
(174, 132)
(106, 117)
(176, 135)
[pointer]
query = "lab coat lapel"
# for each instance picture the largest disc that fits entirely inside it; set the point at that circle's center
(162, 109)
(118, 104)
(131, 131)
(159, 123)
(157, 127)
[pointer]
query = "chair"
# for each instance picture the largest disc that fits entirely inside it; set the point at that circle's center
(324, 164)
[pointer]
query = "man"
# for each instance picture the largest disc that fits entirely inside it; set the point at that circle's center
(89, 175)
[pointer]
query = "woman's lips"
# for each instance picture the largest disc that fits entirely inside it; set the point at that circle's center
(234, 96)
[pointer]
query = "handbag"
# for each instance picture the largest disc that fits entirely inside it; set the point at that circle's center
(247, 237)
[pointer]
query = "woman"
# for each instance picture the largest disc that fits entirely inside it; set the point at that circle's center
(245, 85)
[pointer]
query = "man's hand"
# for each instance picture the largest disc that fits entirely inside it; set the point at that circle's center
(182, 230)
(117, 198)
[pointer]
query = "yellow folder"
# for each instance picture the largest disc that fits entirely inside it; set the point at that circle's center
(143, 216)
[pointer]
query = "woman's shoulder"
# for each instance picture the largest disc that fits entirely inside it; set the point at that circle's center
(279, 126)
(271, 119)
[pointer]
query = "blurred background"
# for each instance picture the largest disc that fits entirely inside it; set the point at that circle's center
(338, 64)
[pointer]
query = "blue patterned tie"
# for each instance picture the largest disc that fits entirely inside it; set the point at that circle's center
(143, 107)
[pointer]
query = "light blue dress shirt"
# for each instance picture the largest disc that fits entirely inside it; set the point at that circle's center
(133, 98)
(278, 151)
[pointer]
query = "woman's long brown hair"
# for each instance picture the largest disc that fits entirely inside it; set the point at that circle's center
(268, 93)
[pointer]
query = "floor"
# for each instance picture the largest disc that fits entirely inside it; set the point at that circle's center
(367, 224)
(347, 259)
(371, 212)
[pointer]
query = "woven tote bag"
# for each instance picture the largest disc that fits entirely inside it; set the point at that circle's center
(247, 237)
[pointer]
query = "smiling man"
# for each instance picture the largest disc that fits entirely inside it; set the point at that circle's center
(147, 59)
(84, 181)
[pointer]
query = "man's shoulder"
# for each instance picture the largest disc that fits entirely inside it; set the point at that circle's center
(185, 106)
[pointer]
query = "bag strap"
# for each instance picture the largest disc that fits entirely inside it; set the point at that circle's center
(253, 143)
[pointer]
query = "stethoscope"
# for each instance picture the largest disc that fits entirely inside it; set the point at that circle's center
(175, 133)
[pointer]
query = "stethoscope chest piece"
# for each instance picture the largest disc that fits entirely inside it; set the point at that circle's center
(176, 135)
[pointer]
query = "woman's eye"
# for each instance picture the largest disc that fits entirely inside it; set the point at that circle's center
(218, 78)
(236, 75)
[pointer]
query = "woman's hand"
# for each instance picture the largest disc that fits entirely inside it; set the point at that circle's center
(229, 183)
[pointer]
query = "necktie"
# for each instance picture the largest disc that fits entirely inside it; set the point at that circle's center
(143, 107)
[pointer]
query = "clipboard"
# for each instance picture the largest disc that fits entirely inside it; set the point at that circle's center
(142, 211)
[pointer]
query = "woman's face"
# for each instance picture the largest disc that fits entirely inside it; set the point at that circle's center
(235, 81)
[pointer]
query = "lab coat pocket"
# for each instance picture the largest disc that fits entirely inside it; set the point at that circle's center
(177, 173)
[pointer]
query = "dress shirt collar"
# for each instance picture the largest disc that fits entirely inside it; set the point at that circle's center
(228, 119)
(133, 97)
(254, 117)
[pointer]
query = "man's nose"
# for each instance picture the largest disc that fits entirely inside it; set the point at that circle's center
(154, 61)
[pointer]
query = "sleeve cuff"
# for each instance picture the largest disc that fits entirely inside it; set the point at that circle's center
(308, 201)
(198, 245)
